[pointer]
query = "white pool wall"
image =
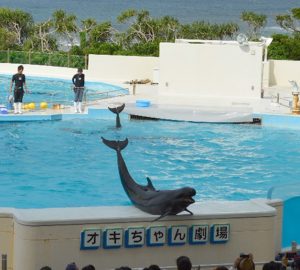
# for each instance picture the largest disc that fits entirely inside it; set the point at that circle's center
(122, 68)
(37, 70)
(36, 237)
(219, 70)
(283, 71)
(118, 69)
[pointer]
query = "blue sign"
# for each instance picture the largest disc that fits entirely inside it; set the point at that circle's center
(156, 236)
(153, 236)
(198, 234)
(219, 233)
(177, 235)
(90, 239)
(113, 238)
(135, 237)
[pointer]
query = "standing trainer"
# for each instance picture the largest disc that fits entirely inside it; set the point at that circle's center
(78, 81)
(20, 82)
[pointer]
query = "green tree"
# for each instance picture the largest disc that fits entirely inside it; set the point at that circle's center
(255, 23)
(102, 32)
(285, 47)
(65, 25)
(104, 48)
(205, 30)
(168, 28)
(43, 38)
(96, 37)
(142, 27)
(145, 49)
(290, 22)
(16, 22)
(87, 26)
(227, 30)
(6, 39)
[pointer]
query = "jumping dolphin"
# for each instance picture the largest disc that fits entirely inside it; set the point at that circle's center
(117, 111)
(147, 198)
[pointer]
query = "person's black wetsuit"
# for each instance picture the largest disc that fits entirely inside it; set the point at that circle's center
(78, 81)
(18, 80)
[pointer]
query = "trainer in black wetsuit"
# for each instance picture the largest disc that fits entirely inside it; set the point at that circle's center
(19, 82)
(78, 81)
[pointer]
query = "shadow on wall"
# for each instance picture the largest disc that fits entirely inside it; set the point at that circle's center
(272, 77)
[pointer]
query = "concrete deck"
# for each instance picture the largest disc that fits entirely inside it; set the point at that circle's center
(205, 109)
(264, 105)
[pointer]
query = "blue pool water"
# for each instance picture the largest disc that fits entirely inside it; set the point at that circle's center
(64, 163)
(56, 90)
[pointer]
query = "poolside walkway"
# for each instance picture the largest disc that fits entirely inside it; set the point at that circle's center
(204, 109)
(265, 105)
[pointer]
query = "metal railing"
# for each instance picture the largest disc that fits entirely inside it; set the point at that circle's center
(283, 101)
(284, 191)
(95, 96)
(44, 58)
(89, 97)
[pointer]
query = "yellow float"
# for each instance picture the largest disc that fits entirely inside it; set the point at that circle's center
(31, 106)
(43, 105)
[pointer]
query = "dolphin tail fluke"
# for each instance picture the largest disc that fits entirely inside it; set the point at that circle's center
(116, 145)
(117, 110)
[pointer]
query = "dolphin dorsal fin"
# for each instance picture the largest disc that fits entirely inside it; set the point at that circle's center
(150, 185)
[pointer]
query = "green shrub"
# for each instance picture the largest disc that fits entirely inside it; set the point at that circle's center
(38, 58)
(18, 57)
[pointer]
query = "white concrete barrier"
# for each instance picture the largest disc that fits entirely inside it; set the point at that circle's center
(281, 71)
(122, 68)
(39, 70)
(211, 70)
(34, 238)
(54, 72)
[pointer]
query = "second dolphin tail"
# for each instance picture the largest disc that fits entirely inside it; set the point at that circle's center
(117, 110)
(116, 145)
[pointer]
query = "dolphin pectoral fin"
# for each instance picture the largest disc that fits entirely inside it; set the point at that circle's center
(162, 216)
(169, 213)
(150, 185)
(191, 213)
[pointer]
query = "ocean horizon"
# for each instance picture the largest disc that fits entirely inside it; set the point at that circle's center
(186, 11)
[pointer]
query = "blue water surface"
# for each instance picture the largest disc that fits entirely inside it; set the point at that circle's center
(64, 163)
